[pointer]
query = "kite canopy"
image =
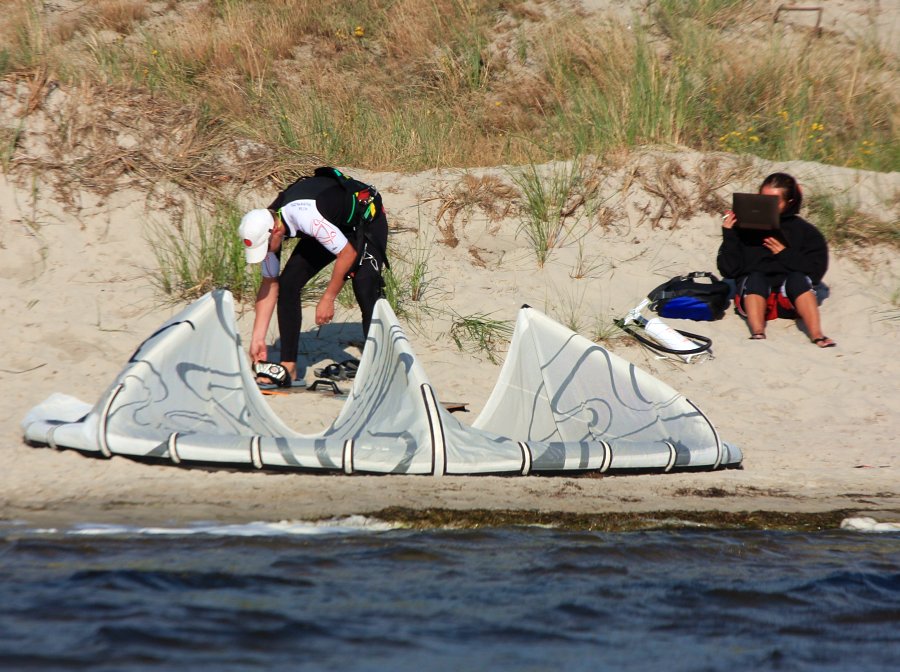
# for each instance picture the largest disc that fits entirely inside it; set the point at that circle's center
(561, 403)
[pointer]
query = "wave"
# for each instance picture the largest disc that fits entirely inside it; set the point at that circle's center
(284, 528)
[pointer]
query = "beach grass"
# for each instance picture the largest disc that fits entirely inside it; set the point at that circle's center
(409, 284)
(544, 205)
(845, 226)
(204, 253)
(480, 333)
(463, 83)
(9, 139)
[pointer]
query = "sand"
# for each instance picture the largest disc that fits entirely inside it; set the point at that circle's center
(818, 427)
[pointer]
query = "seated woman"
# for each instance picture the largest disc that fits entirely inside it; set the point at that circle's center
(777, 270)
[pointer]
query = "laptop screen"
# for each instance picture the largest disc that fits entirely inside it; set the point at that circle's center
(756, 211)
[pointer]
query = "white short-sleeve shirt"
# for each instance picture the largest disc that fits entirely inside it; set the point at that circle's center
(302, 217)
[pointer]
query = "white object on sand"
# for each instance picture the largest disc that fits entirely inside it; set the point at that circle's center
(867, 524)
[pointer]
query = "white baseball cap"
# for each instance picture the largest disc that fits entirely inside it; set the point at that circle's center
(256, 227)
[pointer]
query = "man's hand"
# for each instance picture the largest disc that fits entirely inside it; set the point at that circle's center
(258, 351)
(324, 311)
(343, 263)
(774, 245)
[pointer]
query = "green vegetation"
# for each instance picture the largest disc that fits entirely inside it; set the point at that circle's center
(843, 224)
(424, 83)
(480, 333)
(9, 139)
(205, 254)
(408, 285)
(544, 210)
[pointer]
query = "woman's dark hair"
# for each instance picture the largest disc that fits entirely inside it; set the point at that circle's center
(791, 189)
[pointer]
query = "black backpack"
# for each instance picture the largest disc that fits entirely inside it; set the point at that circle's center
(686, 298)
(364, 207)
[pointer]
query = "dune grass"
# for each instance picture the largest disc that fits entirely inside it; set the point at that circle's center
(409, 284)
(9, 139)
(544, 198)
(202, 254)
(425, 83)
(480, 333)
(845, 226)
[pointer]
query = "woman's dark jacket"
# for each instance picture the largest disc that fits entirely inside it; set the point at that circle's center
(742, 251)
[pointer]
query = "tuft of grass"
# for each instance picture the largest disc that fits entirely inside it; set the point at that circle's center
(480, 333)
(567, 309)
(24, 36)
(120, 15)
(605, 329)
(408, 284)
(844, 225)
(488, 193)
(545, 200)
(588, 266)
(612, 90)
(671, 14)
(205, 254)
(9, 140)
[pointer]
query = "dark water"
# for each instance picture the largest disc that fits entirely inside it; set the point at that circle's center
(500, 599)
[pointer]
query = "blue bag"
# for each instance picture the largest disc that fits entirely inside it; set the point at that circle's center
(684, 298)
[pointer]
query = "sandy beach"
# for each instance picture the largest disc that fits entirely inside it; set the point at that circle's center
(818, 428)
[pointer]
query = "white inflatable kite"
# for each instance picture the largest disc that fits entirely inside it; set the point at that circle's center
(562, 403)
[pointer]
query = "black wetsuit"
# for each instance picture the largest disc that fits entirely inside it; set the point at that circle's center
(309, 257)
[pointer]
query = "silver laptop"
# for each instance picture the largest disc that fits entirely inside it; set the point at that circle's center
(756, 211)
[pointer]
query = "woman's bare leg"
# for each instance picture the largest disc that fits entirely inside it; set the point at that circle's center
(807, 308)
(755, 307)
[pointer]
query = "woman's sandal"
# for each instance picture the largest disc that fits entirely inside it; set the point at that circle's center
(757, 337)
(824, 342)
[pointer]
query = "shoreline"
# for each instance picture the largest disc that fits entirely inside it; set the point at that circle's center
(461, 519)
(128, 492)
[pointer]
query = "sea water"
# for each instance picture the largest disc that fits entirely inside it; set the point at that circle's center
(359, 595)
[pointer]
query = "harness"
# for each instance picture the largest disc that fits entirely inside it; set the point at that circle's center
(365, 205)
